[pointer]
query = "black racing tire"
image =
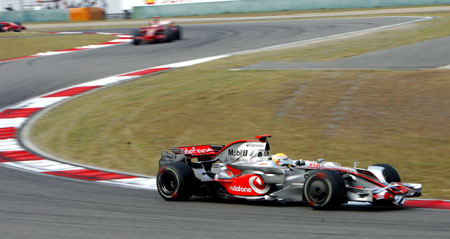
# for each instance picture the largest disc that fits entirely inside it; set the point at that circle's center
(324, 189)
(176, 182)
(169, 34)
(179, 33)
(18, 29)
(136, 33)
(389, 173)
(1, 28)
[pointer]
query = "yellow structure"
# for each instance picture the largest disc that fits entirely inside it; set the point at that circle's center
(86, 14)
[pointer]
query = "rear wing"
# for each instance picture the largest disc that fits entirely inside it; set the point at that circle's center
(198, 150)
(185, 154)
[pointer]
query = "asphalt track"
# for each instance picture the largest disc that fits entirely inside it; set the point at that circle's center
(37, 206)
(424, 55)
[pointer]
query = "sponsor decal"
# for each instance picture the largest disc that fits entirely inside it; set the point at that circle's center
(196, 150)
(315, 165)
(247, 185)
(238, 153)
(240, 189)
(256, 145)
(259, 188)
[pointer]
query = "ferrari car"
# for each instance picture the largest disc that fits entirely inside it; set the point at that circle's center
(245, 169)
(157, 31)
(11, 26)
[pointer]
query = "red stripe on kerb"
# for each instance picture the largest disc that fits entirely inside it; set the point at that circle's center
(7, 133)
(18, 58)
(19, 156)
(89, 174)
(17, 113)
(146, 72)
(72, 49)
(436, 204)
(72, 91)
(110, 43)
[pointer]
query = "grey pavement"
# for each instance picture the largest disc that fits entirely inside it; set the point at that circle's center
(424, 55)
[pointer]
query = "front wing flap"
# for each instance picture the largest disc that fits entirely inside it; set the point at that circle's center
(394, 192)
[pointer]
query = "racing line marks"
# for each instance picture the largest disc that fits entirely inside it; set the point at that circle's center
(13, 153)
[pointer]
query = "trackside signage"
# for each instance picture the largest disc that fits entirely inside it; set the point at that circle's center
(166, 2)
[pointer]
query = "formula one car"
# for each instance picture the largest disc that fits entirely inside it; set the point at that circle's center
(157, 31)
(245, 169)
(11, 26)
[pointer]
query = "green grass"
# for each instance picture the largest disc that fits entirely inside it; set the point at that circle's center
(368, 116)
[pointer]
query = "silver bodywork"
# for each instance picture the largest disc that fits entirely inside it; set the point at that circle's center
(289, 181)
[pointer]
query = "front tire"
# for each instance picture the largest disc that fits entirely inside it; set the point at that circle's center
(18, 29)
(389, 173)
(179, 33)
(136, 33)
(176, 182)
(324, 189)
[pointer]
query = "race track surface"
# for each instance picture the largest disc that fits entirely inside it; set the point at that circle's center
(424, 55)
(37, 206)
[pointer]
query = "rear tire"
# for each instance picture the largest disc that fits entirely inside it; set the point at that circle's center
(389, 173)
(169, 34)
(324, 189)
(176, 182)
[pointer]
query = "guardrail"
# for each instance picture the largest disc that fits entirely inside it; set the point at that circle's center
(236, 6)
(230, 6)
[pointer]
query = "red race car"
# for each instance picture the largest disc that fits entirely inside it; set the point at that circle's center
(11, 26)
(157, 31)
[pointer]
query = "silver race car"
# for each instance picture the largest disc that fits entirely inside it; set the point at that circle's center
(245, 169)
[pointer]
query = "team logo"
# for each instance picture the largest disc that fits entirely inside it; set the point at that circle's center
(259, 188)
(238, 153)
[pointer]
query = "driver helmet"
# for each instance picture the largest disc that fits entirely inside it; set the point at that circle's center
(155, 20)
(282, 159)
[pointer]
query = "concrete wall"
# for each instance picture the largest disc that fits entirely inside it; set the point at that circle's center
(220, 7)
(35, 16)
(268, 6)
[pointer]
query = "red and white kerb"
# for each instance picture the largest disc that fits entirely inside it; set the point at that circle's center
(13, 154)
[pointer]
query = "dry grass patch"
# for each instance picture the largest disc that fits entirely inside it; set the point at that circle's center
(400, 118)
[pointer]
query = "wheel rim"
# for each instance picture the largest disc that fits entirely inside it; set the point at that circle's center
(168, 183)
(318, 191)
